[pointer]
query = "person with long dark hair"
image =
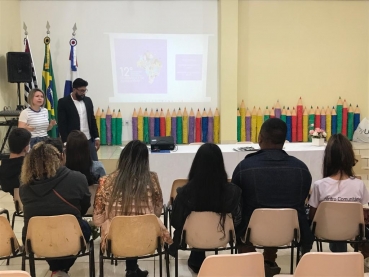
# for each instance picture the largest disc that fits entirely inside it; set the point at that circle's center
(130, 190)
(207, 190)
(78, 157)
(339, 182)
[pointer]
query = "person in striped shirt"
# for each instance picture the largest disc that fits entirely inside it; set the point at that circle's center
(35, 118)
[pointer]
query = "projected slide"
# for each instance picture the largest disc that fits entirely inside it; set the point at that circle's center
(159, 68)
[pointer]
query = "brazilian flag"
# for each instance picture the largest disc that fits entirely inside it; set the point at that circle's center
(49, 87)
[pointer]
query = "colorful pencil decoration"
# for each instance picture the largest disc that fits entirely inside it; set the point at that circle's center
(299, 120)
(238, 125)
(253, 125)
(168, 124)
(305, 125)
(344, 117)
(191, 127)
(174, 125)
(311, 121)
(204, 125)
(294, 125)
(162, 124)
(152, 124)
(277, 110)
(146, 129)
(179, 127)
(317, 118)
(243, 115)
(323, 119)
(216, 126)
(284, 115)
(248, 125)
(97, 118)
(108, 126)
(272, 113)
(356, 117)
(119, 124)
(157, 124)
(334, 122)
(289, 124)
(266, 114)
(134, 125)
(210, 126)
(103, 128)
(259, 122)
(140, 125)
(339, 116)
(350, 123)
(198, 127)
(114, 128)
(185, 126)
(328, 122)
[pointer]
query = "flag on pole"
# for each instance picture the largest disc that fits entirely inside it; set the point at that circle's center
(48, 86)
(72, 71)
(33, 84)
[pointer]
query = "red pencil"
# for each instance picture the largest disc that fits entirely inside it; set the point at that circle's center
(162, 124)
(299, 119)
(344, 118)
(317, 118)
(294, 125)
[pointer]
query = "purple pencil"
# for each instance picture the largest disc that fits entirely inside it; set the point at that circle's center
(174, 125)
(152, 123)
(134, 125)
(277, 110)
(323, 119)
(248, 125)
(210, 126)
(191, 127)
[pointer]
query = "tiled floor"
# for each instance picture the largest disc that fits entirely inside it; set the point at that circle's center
(80, 268)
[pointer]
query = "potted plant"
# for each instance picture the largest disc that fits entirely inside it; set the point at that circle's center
(317, 136)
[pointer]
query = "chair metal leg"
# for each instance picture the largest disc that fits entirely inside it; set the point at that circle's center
(291, 268)
(32, 268)
(321, 246)
(176, 265)
(298, 255)
(13, 220)
(24, 261)
(167, 262)
(101, 264)
(161, 263)
(92, 259)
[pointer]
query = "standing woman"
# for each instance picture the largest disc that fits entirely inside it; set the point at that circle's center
(131, 190)
(35, 118)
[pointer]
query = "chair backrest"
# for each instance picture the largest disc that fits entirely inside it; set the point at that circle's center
(92, 190)
(325, 264)
(14, 273)
(203, 230)
(17, 201)
(281, 221)
(6, 235)
(54, 236)
(331, 215)
(245, 265)
(133, 236)
(177, 183)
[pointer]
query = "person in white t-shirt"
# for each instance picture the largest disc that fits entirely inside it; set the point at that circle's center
(339, 182)
(35, 118)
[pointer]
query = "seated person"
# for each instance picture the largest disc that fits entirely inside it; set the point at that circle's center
(270, 178)
(339, 182)
(207, 190)
(48, 189)
(58, 144)
(10, 169)
(130, 190)
(78, 157)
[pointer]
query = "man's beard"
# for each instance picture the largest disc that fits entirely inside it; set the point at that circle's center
(79, 97)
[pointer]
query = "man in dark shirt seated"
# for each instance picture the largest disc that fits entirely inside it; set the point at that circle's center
(10, 169)
(270, 178)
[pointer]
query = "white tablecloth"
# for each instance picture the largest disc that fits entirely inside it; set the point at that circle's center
(174, 165)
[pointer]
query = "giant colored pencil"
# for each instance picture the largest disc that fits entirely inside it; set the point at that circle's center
(238, 125)
(356, 117)
(339, 116)
(311, 120)
(134, 125)
(198, 127)
(305, 126)
(191, 127)
(210, 126)
(344, 118)
(317, 118)
(162, 124)
(259, 122)
(328, 122)
(283, 115)
(185, 127)
(277, 110)
(108, 126)
(146, 129)
(140, 125)
(294, 125)
(174, 125)
(114, 128)
(103, 128)
(97, 118)
(350, 123)
(289, 125)
(334, 122)
(168, 124)
(248, 125)
(152, 124)
(323, 119)
(299, 120)
(119, 124)
(179, 127)
(253, 125)
(243, 115)
(204, 125)
(216, 126)
(157, 124)
(266, 114)
(272, 113)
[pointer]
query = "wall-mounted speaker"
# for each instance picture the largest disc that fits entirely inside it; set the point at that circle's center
(19, 67)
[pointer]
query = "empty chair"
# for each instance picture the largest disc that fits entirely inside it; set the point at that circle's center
(14, 273)
(53, 237)
(9, 246)
(136, 237)
(277, 228)
(245, 265)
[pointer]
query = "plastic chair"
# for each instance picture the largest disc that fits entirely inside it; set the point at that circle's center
(9, 246)
(201, 232)
(245, 265)
(92, 190)
(56, 237)
(134, 237)
(328, 222)
(329, 265)
(173, 193)
(18, 206)
(277, 228)
(14, 273)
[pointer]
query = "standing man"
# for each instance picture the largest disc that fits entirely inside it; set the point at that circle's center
(76, 112)
(270, 178)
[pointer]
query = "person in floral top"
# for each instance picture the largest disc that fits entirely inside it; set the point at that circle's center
(131, 190)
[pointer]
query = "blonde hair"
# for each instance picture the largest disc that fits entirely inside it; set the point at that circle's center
(31, 95)
(41, 163)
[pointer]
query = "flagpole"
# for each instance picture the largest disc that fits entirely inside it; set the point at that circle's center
(29, 46)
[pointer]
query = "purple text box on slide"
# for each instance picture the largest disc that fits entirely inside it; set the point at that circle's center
(141, 66)
(189, 67)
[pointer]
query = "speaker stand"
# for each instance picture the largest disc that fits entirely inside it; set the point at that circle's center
(19, 106)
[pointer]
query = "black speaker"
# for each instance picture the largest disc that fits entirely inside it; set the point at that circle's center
(19, 67)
